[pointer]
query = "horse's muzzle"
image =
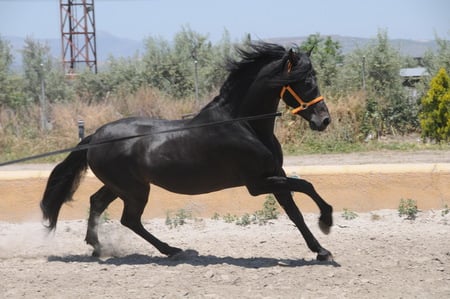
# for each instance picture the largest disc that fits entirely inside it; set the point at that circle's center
(319, 124)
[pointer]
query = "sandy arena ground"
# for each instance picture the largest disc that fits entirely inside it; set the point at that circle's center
(377, 255)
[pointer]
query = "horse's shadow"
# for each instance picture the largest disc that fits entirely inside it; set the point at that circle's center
(191, 257)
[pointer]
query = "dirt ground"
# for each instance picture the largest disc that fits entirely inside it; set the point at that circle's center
(376, 255)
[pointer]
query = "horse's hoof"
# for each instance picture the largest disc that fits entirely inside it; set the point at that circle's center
(173, 251)
(96, 253)
(325, 228)
(324, 256)
(326, 222)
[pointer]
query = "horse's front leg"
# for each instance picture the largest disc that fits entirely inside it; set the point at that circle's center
(281, 187)
(287, 202)
(282, 183)
(326, 210)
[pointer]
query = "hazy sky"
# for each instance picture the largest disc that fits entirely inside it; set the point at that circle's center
(137, 19)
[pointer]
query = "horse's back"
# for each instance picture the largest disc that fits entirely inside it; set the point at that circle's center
(185, 160)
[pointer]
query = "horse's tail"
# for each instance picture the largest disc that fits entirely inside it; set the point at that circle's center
(62, 184)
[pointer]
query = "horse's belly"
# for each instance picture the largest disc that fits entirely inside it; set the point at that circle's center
(196, 182)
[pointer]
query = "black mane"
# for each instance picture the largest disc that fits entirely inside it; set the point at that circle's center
(260, 54)
(251, 59)
(256, 53)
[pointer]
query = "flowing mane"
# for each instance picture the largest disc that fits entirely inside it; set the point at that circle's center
(244, 69)
(249, 64)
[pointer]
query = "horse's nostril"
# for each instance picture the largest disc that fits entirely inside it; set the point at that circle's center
(326, 121)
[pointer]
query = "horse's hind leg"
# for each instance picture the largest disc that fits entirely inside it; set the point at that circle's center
(99, 202)
(134, 204)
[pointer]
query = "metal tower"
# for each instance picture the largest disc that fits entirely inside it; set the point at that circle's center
(78, 35)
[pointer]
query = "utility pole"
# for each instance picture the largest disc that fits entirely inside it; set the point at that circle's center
(78, 35)
(194, 56)
(364, 72)
(42, 100)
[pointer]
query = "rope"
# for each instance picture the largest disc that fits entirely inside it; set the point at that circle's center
(100, 143)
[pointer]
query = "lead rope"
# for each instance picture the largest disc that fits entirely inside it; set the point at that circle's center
(100, 143)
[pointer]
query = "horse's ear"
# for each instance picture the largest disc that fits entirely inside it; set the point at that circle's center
(311, 49)
(293, 56)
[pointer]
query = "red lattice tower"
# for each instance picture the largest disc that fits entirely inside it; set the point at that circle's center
(78, 35)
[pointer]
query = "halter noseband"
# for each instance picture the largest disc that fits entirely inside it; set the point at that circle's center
(303, 105)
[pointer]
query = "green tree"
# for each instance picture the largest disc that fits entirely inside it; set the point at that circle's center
(124, 75)
(39, 68)
(326, 56)
(172, 68)
(11, 84)
(36, 65)
(434, 60)
(350, 73)
(92, 87)
(384, 84)
(383, 67)
(6, 60)
(435, 114)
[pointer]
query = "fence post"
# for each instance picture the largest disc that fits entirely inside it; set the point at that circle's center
(80, 129)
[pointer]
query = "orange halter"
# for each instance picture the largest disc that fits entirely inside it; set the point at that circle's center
(303, 105)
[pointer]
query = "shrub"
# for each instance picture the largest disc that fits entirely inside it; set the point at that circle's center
(349, 215)
(408, 208)
(179, 219)
(435, 115)
(445, 211)
(261, 217)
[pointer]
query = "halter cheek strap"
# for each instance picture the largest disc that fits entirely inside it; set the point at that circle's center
(303, 105)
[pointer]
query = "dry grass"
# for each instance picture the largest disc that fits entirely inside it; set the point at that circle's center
(346, 112)
(21, 135)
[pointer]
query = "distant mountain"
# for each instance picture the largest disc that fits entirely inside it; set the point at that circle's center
(111, 45)
(107, 45)
(413, 48)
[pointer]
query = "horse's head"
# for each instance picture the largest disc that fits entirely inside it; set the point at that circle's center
(302, 93)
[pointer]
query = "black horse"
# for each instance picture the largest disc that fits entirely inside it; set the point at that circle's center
(194, 158)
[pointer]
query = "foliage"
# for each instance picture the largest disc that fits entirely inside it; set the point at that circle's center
(408, 208)
(269, 210)
(228, 218)
(36, 60)
(6, 81)
(435, 60)
(349, 215)
(160, 82)
(385, 88)
(435, 114)
(326, 55)
(192, 59)
(372, 124)
(178, 219)
(445, 210)
(244, 220)
(261, 217)
(375, 70)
